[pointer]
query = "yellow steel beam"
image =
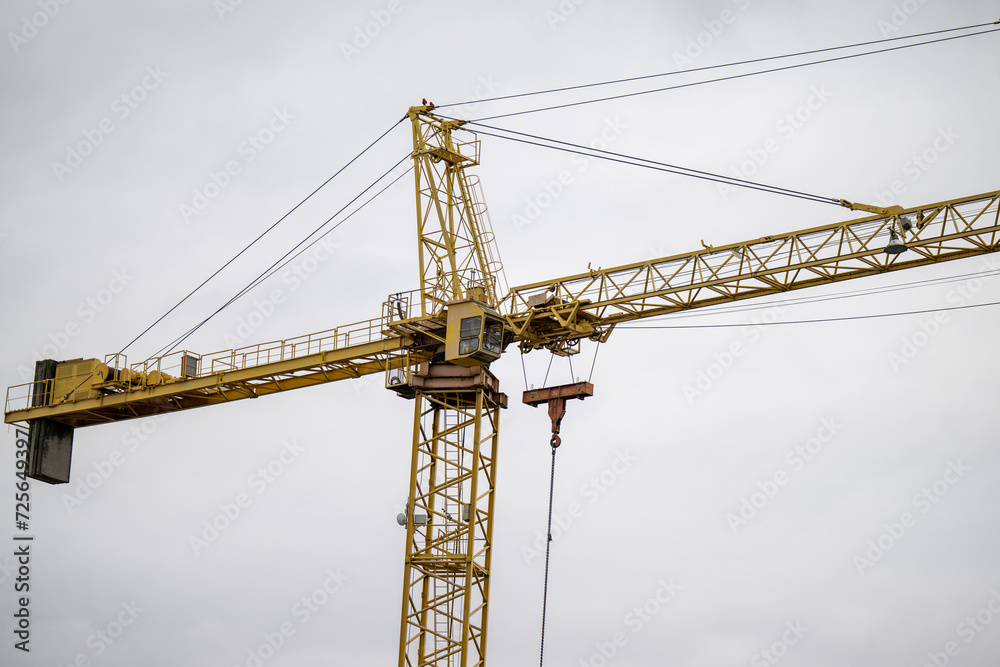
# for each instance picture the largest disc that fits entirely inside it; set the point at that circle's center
(456, 429)
(449, 522)
(892, 210)
(555, 312)
(248, 382)
(455, 242)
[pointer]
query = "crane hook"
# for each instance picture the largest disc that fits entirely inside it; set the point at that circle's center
(556, 398)
(557, 410)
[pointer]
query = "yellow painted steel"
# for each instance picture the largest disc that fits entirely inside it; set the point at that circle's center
(455, 242)
(474, 334)
(554, 313)
(449, 525)
(248, 372)
(456, 417)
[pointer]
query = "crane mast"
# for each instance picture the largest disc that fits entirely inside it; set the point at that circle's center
(455, 242)
(435, 344)
(457, 403)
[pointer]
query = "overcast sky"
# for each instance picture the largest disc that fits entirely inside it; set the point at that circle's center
(146, 143)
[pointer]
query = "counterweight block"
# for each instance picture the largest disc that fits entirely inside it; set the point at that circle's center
(50, 443)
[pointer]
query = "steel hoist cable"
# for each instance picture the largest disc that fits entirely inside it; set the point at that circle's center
(548, 546)
(556, 398)
(593, 364)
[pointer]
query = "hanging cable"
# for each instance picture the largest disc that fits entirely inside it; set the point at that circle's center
(735, 76)
(228, 263)
(252, 243)
(546, 380)
(275, 267)
(525, 371)
(594, 362)
(653, 164)
(548, 548)
(711, 67)
(818, 321)
(280, 264)
(741, 308)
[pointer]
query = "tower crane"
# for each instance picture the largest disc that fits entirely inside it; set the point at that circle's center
(435, 345)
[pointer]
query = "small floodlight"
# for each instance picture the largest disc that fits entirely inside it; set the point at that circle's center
(896, 245)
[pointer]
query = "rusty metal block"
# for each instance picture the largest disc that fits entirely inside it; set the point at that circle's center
(536, 397)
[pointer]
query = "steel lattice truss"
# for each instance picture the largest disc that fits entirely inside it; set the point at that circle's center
(456, 417)
(449, 528)
(552, 314)
(455, 240)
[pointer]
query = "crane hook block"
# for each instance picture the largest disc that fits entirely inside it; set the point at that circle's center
(556, 398)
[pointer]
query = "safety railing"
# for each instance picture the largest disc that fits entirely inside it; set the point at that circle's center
(224, 361)
(184, 364)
